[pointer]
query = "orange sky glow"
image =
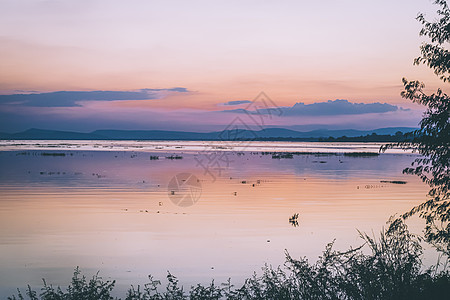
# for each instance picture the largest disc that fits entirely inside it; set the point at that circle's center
(295, 51)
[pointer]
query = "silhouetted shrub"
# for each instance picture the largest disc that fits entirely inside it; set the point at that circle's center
(391, 269)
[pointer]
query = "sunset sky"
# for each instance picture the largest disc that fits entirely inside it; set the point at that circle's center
(177, 65)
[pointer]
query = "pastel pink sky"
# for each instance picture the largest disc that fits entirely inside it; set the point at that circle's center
(295, 51)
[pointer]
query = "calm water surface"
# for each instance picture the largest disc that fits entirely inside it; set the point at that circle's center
(106, 206)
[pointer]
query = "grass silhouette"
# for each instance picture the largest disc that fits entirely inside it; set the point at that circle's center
(392, 268)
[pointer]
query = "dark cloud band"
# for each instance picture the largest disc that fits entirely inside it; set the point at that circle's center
(71, 98)
(237, 102)
(328, 108)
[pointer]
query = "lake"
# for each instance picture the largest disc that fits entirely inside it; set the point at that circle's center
(201, 210)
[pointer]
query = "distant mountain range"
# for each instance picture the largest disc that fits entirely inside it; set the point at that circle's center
(41, 134)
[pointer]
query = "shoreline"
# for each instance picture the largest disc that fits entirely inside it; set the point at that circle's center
(198, 146)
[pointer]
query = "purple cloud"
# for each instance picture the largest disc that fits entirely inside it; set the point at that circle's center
(72, 98)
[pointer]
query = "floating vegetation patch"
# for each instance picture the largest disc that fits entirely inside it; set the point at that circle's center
(23, 153)
(53, 154)
(174, 157)
(52, 173)
(290, 155)
(98, 175)
(283, 156)
(361, 154)
(373, 186)
(37, 153)
(302, 153)
(393, 181)
(294, 220)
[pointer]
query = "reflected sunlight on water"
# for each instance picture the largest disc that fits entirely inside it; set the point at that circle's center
(110, 210)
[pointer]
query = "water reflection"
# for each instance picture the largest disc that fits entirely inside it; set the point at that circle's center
(110, 211)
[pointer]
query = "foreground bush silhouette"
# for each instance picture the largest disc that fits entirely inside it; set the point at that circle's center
(79, 288)
(389, 267)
